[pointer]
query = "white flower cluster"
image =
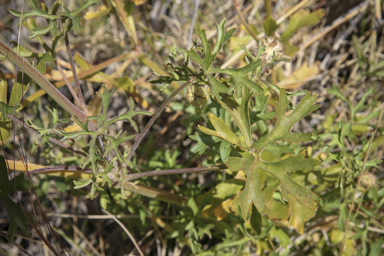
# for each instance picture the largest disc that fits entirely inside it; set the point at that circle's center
(273, 51)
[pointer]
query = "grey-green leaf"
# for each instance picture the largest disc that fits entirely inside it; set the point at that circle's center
(284, 123)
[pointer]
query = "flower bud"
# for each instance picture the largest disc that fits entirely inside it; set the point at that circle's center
(198, 95)
(273, 51)
(368, 180)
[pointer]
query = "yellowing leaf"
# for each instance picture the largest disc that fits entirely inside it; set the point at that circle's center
(19, 88)
(276, 211)
(5, 123)
(221, 131)
(235, 42)
(240, 176)
(101, 11)
(98, 77)
(300, 19)
(336, 237)
(72, 128)
(223, 209)
(56, 75)
(3, 88)
(72, 175)
(20, 166)
(360, 129)
(5, 130)
(126, 85)
(220, 193)
(139, 2)
(300, 74)
(83, 64)
(220, 213)
(252, 192)
(299, 214)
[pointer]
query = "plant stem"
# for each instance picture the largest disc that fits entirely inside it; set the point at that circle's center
(24, 65)
(69, 85)
(192, 24)
(58, 168)
(150, 192)
(82, 75)
(76, 78)
(154, 117)
(237, 8)
(134, 176)
(156, 193)
(125, 15)
(126, 231)
(59, 143)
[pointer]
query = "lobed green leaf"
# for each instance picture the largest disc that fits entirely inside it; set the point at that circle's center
(284, 123)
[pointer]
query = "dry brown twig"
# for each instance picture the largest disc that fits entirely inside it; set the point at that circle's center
(126, 231)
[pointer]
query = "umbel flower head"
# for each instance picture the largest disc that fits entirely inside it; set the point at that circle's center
(198, 95)
(368, 180)
(273, 51)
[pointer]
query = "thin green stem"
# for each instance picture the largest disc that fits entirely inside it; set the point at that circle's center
(192, 24)
(76, 78)
(156, 194)
(125, 15)
(237, 8)
(58, 168)
(134, 176)
(154, 117)
(42, 82)
(69, 85)
(59, 143)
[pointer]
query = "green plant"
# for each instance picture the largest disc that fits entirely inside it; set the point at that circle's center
(235, 96)
(267, 180)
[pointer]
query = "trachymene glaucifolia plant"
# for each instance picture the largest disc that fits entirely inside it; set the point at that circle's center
(258, 151)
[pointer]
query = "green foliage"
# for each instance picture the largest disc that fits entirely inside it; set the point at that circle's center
(375, 66)
(236, 94)
(269, 25)
(74, 23)
(36, 12)
(101, 159)
(252, 192)
(28, 20)
(351, 161)
(299, 20)
(275, 182)
(15, 212)
(12, 107)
